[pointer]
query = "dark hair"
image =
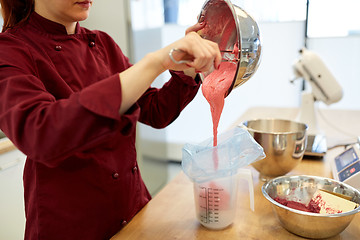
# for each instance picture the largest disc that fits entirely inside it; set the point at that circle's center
(15, 12)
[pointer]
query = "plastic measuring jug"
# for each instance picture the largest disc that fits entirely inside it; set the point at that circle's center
(215, 172)
(216, 200)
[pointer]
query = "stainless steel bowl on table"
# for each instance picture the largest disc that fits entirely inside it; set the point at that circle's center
(283, 141)
(302, 188)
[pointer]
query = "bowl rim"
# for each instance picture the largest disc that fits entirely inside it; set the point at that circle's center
(244, 125)
(333, 215)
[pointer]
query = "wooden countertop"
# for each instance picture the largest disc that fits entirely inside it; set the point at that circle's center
(6, 145)
(171, 213)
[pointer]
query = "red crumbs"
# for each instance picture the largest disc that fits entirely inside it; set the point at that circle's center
(312, 207)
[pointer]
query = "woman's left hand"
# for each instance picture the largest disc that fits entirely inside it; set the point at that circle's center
(202, 55)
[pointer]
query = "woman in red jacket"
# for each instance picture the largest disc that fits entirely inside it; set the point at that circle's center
(70, 100)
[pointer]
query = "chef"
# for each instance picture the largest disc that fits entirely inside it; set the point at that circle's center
(70, 100)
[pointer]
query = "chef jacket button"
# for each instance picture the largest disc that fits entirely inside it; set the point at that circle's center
(134, 169)
(115, 175)
(123, 223)
(92, 44)
(58, 48)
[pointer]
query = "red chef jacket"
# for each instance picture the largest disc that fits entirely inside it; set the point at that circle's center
(59, 100)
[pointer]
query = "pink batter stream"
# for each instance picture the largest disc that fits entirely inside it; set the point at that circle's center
(214, 89)
(216, 85)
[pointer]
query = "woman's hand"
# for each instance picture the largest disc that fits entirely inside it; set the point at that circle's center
(202, 55)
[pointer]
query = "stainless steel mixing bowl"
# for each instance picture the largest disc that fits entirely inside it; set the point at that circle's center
(302, 188)
(284, 143)
(229, 26)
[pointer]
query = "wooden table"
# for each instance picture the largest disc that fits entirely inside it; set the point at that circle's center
(171, 213)
(6, 145)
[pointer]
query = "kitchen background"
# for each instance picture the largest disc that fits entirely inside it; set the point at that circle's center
(141, 26)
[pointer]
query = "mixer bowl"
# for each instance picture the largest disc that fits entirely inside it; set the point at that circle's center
(231, 26)
(283, 141)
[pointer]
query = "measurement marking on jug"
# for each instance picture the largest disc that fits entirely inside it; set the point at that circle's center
(207, 207)
(210, 204)
(212, 200)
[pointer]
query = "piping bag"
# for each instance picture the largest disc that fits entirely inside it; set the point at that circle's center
(236, 148)
(205, 163)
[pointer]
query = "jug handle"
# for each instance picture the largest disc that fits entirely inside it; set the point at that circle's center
(247, 175)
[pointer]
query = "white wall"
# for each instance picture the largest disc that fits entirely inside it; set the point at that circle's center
(112, 17)
(342, 57)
